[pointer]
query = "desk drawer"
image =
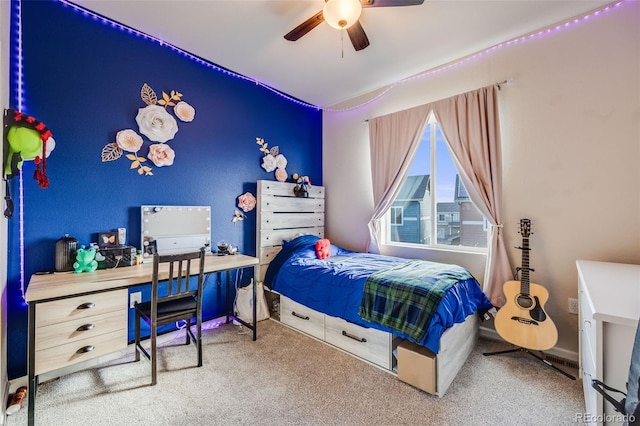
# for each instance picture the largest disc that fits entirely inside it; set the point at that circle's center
(71, 353)
(80, 328)
(302, 318)
(368, 343)
(62, 310)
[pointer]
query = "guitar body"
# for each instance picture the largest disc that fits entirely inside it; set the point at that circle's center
(522, 321)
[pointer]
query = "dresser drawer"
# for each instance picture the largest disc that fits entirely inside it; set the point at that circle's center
(81, 350)
(80, 328)
(302, 318)
(62, 310)
(587, 324)
(368, 343)
(588, 374)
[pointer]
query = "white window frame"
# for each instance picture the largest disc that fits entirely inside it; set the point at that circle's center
(386, 219)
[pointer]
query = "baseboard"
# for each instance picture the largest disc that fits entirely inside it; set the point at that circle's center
(564, 356)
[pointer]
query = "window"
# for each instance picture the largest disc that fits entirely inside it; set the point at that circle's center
(396, 216)
(433, 189)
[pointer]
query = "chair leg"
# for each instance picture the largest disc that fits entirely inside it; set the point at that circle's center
(187, 328)
(199, 341)
(137, 319)
(153, 355)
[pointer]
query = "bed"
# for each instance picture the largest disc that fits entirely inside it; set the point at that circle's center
(365, 304)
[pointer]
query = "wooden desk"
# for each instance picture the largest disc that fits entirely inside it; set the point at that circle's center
(76, 317)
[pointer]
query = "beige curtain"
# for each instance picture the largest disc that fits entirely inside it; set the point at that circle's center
(471, 127)
(394, 140)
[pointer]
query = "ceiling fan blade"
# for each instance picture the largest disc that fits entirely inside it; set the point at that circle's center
(305, 27)
(358, 37)
(390, 3)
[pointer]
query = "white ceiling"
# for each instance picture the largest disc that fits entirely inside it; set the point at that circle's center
(246, 36)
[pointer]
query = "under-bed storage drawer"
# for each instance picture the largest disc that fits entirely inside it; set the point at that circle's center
(368, 343)
(302, 318)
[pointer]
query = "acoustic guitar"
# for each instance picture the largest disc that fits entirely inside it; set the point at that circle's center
(523, 321)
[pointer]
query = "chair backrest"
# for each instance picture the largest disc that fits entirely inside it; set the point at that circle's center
(177, 269)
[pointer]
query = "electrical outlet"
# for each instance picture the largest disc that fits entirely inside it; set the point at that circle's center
(135, 298)
(573, 306)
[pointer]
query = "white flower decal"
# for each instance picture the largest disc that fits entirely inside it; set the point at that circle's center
(184, 111)
(128, 140)
(156, 123)
(269, 163)
(281, 161)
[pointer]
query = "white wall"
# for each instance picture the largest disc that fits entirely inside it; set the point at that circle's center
(5, 7)
(571, 151)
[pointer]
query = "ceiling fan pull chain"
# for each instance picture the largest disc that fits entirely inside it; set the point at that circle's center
(342, 42)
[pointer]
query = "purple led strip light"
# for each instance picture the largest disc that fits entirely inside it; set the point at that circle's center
(549, 30)
(20, 105)
(195, 58)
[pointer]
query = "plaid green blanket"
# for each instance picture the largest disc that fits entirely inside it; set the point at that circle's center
(404, 298)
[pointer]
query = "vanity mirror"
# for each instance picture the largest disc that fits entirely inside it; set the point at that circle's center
(174, 229)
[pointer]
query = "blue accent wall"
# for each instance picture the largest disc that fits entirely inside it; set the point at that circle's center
(82, 78)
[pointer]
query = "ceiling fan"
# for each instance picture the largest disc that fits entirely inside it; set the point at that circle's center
(345, 14)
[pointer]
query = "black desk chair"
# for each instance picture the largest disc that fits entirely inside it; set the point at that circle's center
(628, 406)
(178, 302)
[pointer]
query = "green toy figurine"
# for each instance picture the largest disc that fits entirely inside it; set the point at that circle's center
(85, 260)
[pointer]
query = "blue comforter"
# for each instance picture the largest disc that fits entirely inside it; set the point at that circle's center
(335, 285)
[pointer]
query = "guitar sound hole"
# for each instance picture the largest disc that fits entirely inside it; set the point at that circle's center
(524, 301)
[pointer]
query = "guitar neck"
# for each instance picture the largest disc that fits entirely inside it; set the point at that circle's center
(524, 279)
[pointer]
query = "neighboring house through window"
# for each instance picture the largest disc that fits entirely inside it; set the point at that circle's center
(433, 188)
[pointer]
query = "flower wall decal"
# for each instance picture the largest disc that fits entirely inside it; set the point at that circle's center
(154, 122)
(273, 160)
(247, 202)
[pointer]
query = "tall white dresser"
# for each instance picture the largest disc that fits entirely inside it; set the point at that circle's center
(609, 298)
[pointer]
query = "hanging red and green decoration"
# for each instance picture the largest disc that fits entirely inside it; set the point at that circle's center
(25, 139)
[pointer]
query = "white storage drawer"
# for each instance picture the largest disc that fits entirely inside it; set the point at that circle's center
(85, 306)
(76, 351)
(368, 343)
(302, 318)
(587, 324)
(588, 374)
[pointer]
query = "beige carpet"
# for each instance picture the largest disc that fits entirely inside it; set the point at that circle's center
(285, 378)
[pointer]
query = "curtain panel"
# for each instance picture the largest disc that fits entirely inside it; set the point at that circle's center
(471, 127)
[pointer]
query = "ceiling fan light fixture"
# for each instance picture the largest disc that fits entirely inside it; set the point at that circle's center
(342, 14)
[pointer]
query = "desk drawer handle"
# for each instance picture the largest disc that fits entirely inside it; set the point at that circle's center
(87, 305)
(351, 336)
(85, 349)
(306, 318)
(85, 327)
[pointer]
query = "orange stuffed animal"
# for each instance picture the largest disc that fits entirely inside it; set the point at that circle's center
(323, 248)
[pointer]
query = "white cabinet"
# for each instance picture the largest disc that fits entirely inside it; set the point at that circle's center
(609, 298)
